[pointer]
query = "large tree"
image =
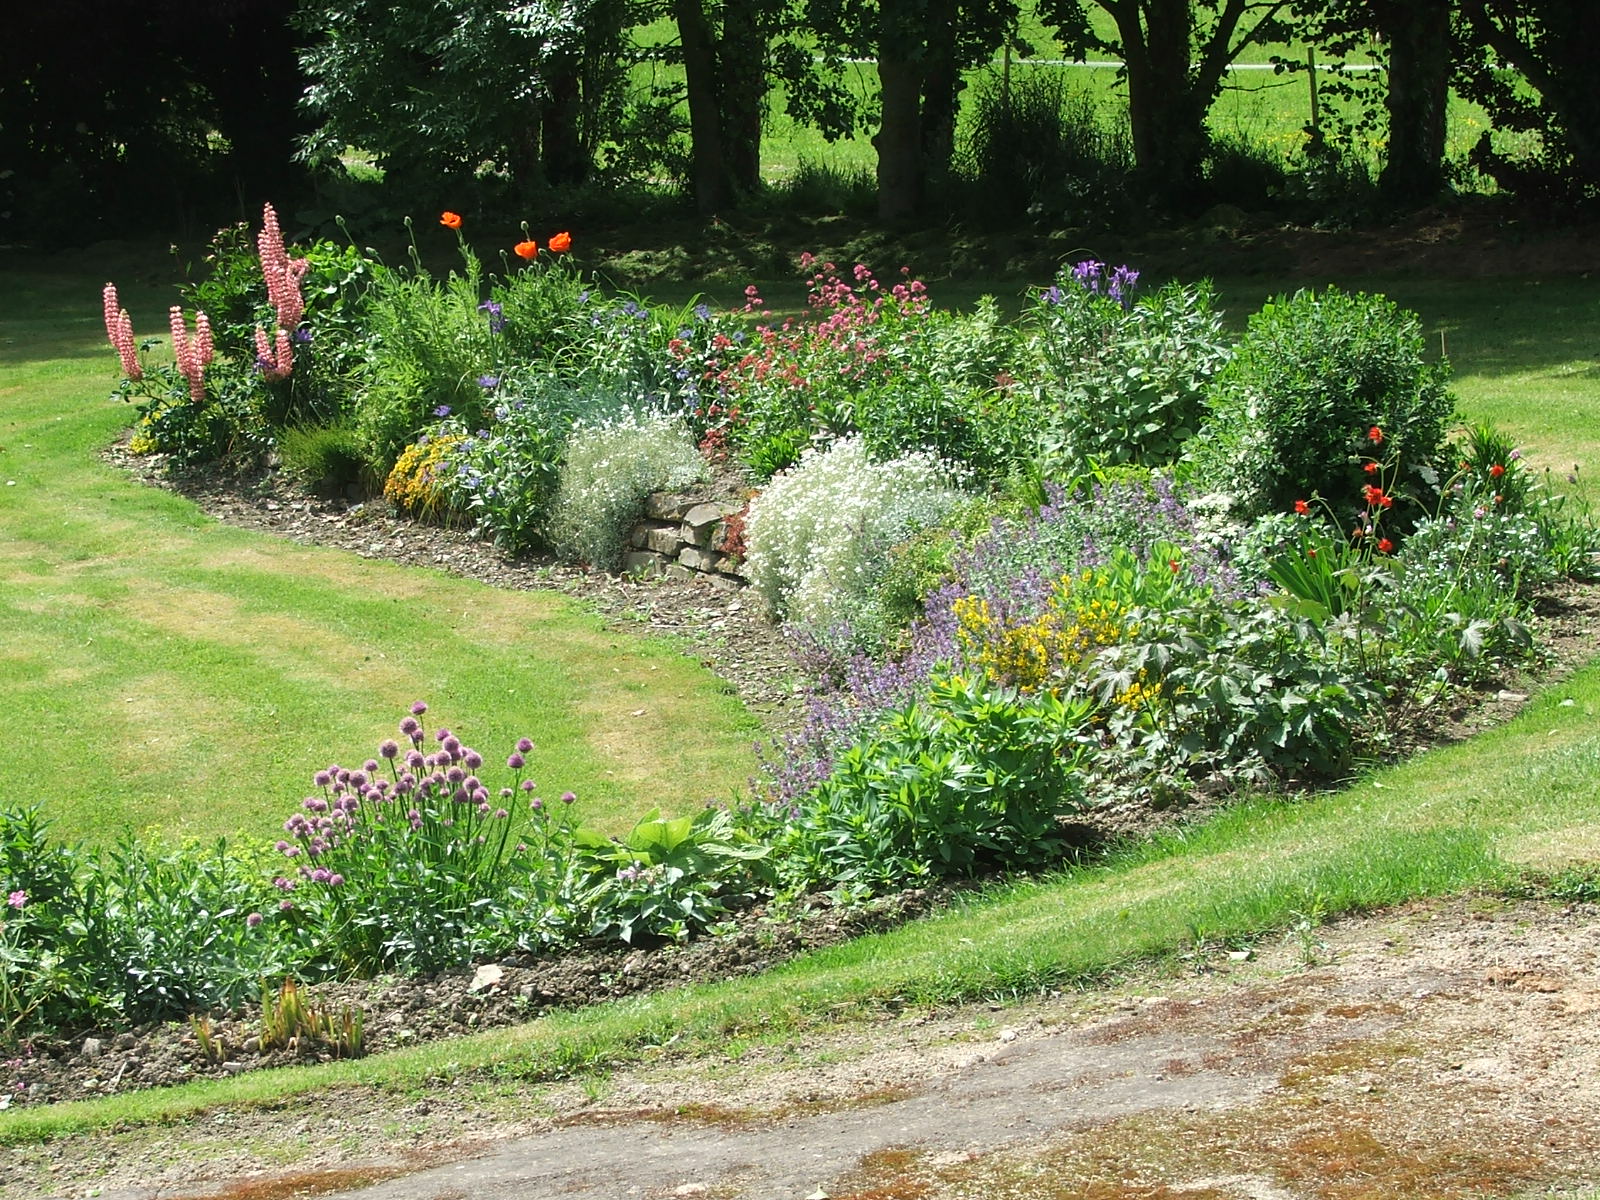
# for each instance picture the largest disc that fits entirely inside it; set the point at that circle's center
(122, 116)
(1531, 64)
(441, 91)
(921, 48)
(1407, 102)
(1175, 56)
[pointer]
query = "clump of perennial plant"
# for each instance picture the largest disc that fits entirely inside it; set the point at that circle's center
(391, 862)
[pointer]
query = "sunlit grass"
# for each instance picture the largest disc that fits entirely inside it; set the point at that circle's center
(168, 673)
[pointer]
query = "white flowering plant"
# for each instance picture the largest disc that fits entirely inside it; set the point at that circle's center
(612, 465)
(820, 533)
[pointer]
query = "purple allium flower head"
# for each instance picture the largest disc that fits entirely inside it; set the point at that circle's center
(506, 793)
(253, 920)
(285, 905)
(320, 875)
(370, 765)
(335, 880)
(472, 758)
(450, 744)
(568, 797)
(516, 762)
(536, 804)
(280, 846)
(409, 726)
(483, 808)
(455, 775)
(527, 785)
(500, 814)
(439, 735)
(316, 804)
(358, 779)
(418, 709)
(460, 796)
(322, 779)
(388, 749)
(524, 745)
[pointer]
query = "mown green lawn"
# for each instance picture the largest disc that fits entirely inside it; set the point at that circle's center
(163, 672)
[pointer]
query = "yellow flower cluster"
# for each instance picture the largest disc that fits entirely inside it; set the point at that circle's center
(413, 484)
(1050, 647)
(143, 440)
(1141, 694)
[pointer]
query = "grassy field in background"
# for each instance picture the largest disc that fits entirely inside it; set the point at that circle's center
(164, 672)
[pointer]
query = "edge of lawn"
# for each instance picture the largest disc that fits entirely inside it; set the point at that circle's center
(1466, 816)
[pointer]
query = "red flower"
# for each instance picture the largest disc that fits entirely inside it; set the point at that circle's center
(527, 250)
(1174, 565)
(450, 220)
(1371, 468)
(1301, 507)
(1496, 471)
(560, 243)
(1376, 435)
(1385, 545)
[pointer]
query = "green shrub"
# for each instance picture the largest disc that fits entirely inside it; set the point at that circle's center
(1292, 415)
(1119, 378)
(970, 778)
(610, 468)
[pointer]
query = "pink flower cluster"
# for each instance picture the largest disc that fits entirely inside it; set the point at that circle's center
(119, 328)
(192, 351)
(283, 274)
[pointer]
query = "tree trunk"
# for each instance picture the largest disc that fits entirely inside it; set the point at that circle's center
(1167, 117)
(712, 190)
(899, 137)
(941, 87)
(742, 62)
(561, 131)
(1418, 36)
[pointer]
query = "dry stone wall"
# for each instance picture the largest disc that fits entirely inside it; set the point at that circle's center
(684, 537)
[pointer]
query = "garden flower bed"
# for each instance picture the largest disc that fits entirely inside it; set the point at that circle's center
(1041, 577)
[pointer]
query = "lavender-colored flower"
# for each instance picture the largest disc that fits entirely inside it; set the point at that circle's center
(516, 762)
(455, 775)
(506, 793)
(322, 778)
(253, 920)
(418, 709)
(472, 758)
(442, 411)
(17, 899)
(388, 749)
(285, 905)
(528, 785)
(335, 880)
(415, 760)
(303, 335)
(702, 312)
(524, 745)
(536, 804)
(488, 382)
(568, 797)
(370, 766)
(1051, 295)
(315, 804)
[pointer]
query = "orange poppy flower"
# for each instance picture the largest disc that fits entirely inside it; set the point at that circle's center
(560, 243)
(450, 220)
(528, 250)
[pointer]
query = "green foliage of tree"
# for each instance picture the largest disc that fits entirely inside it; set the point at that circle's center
(1531, 64)
(444, 92)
